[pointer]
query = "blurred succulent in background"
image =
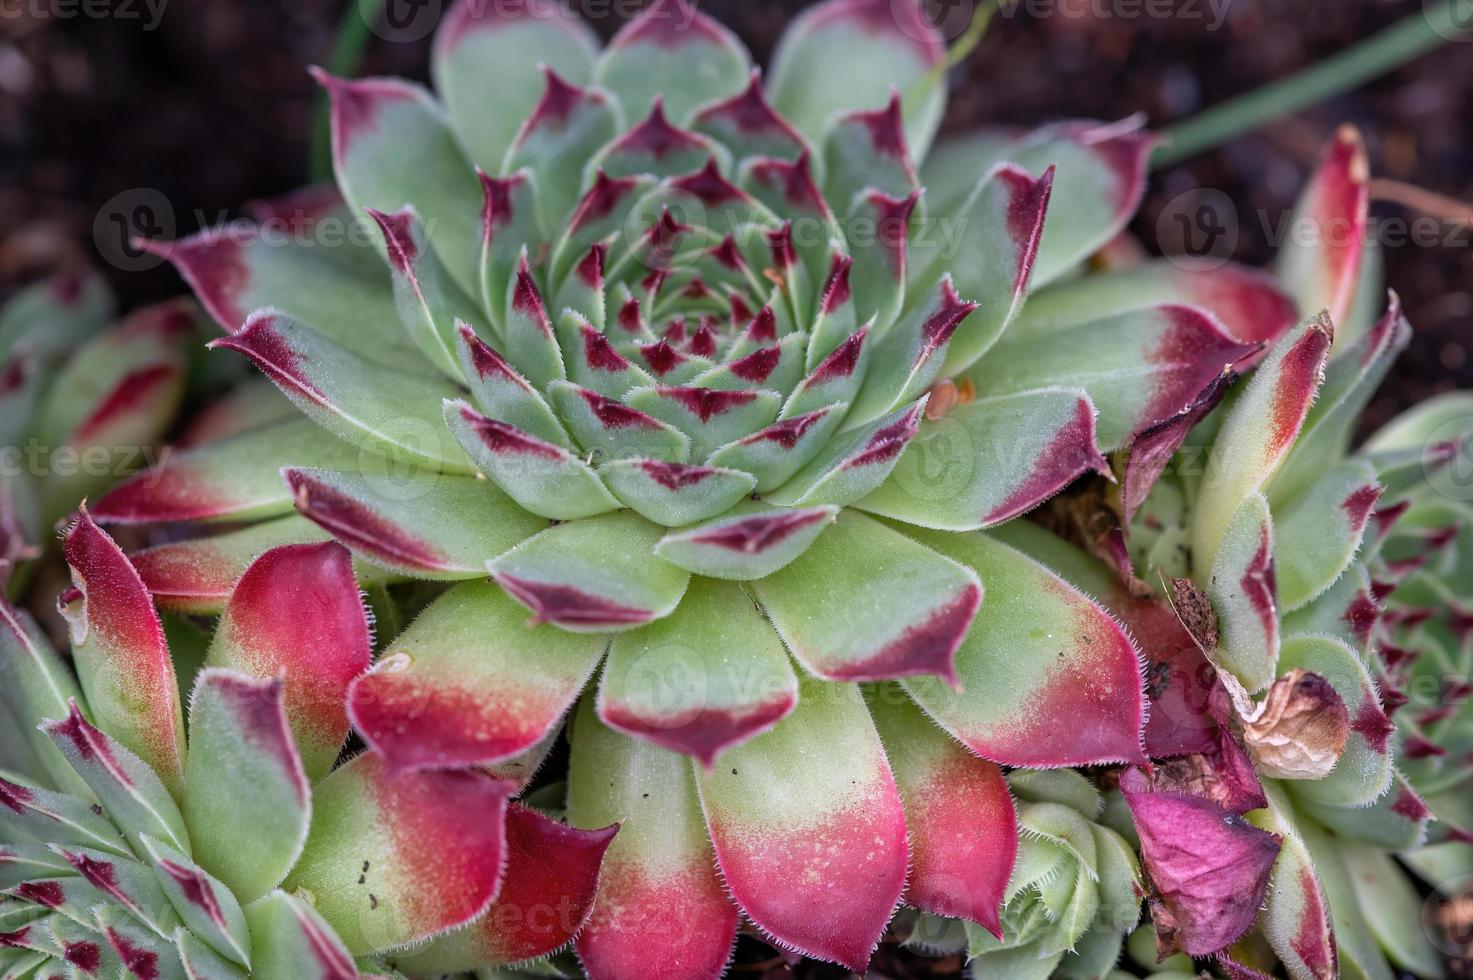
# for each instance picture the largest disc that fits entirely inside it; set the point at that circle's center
(127, 850)
(685, 364)
(80, 405)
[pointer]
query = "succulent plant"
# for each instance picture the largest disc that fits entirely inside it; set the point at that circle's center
(1304, 611)
(245, 849)
(80, 406)
(684, 364)
(1074, 895)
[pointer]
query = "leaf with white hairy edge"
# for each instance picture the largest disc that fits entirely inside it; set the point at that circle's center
(382, 411)
(428, 301)
(596, 575)
(237, 478)
(671, 40)
(145, 953)
(910, 354)
(1364, 771)
(1356, 945)
(208, 908)
(844, 55)
(751, 541)
(195, 577)
(1356, 369)
(1321, 257)
(502, 393)
(1243, 588)
(201, 962)
(1039, 650)
(774, 453)
(38, 686)
(853, 463)
(391, 146)
(808, 827)
(1001, 224)
(290, 939)
(565, 129)
(297, 614)
(33, 812)
(1139, 367)
(376, 839)
(610, 430)
(1099, 183)
(1396, 821)
(710, 417)
(542, 477)
(990, 460)
(710, 675)
(424, 525)
(1297, 921)
(121, 656)
(1250, 303)
(867, 149)
(674, 494)
(469, 683)
(249, 804)
(1260, 430)
(552, 875)
(1320, 531)
(288, 261)
(661, 911)
(962, 829)
(134, 798)
(487, 55)
(1391, 906)
(865, 602)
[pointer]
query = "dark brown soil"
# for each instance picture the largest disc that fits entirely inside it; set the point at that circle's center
(212, 107)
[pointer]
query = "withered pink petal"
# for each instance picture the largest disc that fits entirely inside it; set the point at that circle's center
(1208, 868)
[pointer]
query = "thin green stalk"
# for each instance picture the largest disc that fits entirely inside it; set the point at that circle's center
(1405, 41)
(347, 51)
(956, 54)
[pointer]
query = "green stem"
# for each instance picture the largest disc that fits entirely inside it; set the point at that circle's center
(343, 60)
(956, 54)
(1444, 21)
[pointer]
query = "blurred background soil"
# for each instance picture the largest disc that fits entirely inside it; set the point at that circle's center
(200, 105)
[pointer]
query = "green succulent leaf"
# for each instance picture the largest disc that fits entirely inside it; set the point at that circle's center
(485, 65)
(783, 808)
(596, 575)
(424, 525)
(710, 675)
(249, 804)
(659, 896)
(469, 683)
(378, 410)
(237, 478)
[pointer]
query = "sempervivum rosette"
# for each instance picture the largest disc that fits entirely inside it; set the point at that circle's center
(688, 365)
(1310, 654)
(135, 845)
